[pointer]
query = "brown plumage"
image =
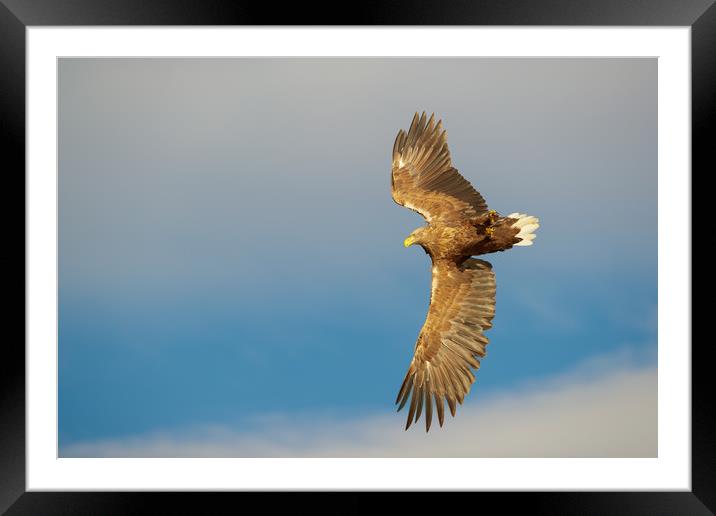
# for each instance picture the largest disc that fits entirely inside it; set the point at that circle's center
(462, 298)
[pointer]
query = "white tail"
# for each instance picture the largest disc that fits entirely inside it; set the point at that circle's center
(527, 224)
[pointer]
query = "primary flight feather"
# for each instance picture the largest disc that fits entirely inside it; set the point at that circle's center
(451, 342)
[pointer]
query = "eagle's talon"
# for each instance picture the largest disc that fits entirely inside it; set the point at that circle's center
(489, 231)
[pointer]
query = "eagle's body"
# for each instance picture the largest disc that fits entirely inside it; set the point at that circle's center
(462, 298)
(456, 242)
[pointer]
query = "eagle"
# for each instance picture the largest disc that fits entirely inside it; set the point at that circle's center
(459, 226)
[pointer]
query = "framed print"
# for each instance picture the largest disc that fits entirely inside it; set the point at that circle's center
(215, 300)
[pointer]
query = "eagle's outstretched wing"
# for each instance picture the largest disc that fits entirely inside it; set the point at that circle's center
(423, 178)
(451, 342)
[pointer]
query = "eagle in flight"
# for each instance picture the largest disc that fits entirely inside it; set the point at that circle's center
(462, 297)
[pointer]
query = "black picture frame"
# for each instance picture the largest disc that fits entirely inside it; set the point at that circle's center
(16, 15)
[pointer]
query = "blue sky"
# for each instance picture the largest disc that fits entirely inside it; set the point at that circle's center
(230, 256)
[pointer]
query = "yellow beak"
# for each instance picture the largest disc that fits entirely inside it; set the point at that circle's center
(408, 241)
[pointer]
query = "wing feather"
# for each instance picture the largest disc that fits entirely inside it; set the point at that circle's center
(428, 408)
(440, 406)
(423, 178)
(451, 343)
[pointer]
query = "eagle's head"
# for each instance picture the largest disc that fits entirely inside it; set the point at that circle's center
(416, 237)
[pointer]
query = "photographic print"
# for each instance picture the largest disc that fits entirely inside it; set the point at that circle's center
(257, 256)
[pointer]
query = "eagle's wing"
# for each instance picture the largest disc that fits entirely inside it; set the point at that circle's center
(462, 305)
(423, 178)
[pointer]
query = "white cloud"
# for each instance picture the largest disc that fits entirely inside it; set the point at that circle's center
(601, 409)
